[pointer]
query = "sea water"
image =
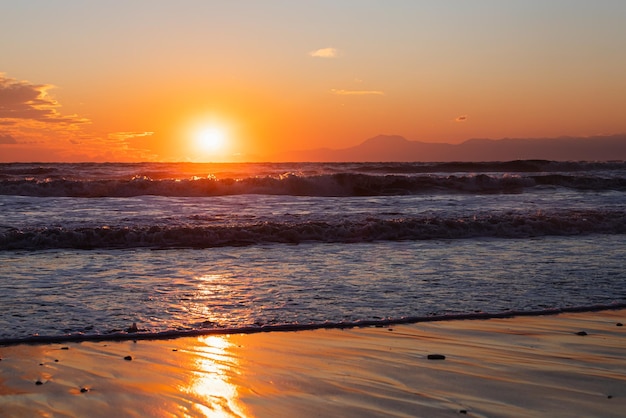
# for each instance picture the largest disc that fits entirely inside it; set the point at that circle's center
(86, 250)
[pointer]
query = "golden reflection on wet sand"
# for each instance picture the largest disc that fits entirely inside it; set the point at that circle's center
(210, 380)
(529, 366)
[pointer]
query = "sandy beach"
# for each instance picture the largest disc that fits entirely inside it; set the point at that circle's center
(514, 367)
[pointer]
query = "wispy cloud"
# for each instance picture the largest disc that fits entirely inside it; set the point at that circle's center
(24, 101)
(109, 146)
(325, 53)
(461, 118)
(123, 136)
(7, 139)
(358, 92)
(32, 123)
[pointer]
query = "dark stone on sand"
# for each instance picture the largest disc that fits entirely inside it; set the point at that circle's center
(174, 349)
(83, 390)
(129, 358)
(436, 357)
(56, 360)
(39, 382)
(581, 333)
(65, 348)
(610, 397)
(619, 324)
(463, 411)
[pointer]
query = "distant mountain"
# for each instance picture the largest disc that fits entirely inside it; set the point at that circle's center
(398, 148)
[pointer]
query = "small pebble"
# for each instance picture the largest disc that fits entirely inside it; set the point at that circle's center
(436, 357)
(39, 382)
(129, 358)
(581, 333)
(65, 348)
(174, 349)
(83, 390)
(463, 411)
(390, 329)
(619, 324)
(610, 397)
(56, 360)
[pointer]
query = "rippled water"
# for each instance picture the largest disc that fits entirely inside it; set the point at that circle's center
(59, 292)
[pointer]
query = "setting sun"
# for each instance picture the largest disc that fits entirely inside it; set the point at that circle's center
(211, 139)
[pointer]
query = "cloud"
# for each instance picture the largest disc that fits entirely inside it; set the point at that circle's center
(358, 92)
(461, 118)
(123, 136)
(31, 124)
(24, 101)
(7, 139)
(325, 53)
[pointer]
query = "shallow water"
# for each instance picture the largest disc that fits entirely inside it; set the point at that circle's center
(58, 292)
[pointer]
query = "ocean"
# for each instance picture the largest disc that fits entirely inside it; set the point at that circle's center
(88, 250)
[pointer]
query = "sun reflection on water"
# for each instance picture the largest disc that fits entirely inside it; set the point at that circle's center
(211, 381)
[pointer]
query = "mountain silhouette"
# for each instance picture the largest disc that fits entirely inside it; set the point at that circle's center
(398, 148)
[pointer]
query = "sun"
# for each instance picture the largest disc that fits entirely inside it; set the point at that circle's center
(211, 138)
(214, 138)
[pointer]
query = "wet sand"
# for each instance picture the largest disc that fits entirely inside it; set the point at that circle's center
(515, 367)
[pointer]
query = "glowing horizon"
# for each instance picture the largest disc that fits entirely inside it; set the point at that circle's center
(268, 78)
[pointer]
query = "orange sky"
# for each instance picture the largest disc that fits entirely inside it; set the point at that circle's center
(138, 81)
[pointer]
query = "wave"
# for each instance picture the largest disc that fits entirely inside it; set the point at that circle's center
(132, 333)
(176, 170)
(340, 184)
(497, 225)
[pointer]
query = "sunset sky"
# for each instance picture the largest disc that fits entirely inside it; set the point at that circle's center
(151, 80)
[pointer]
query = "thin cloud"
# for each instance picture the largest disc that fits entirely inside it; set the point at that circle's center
(123, 136)
(24, 101)
(358, 92)
(7, 139)
(461, 118)
(325, 53)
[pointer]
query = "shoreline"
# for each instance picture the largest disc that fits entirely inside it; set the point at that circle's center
(136, 334)
(570, 364)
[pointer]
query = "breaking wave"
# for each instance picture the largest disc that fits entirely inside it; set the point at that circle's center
(341, 184)
(497, 225)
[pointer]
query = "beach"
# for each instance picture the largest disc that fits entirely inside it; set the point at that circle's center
(571, 364)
